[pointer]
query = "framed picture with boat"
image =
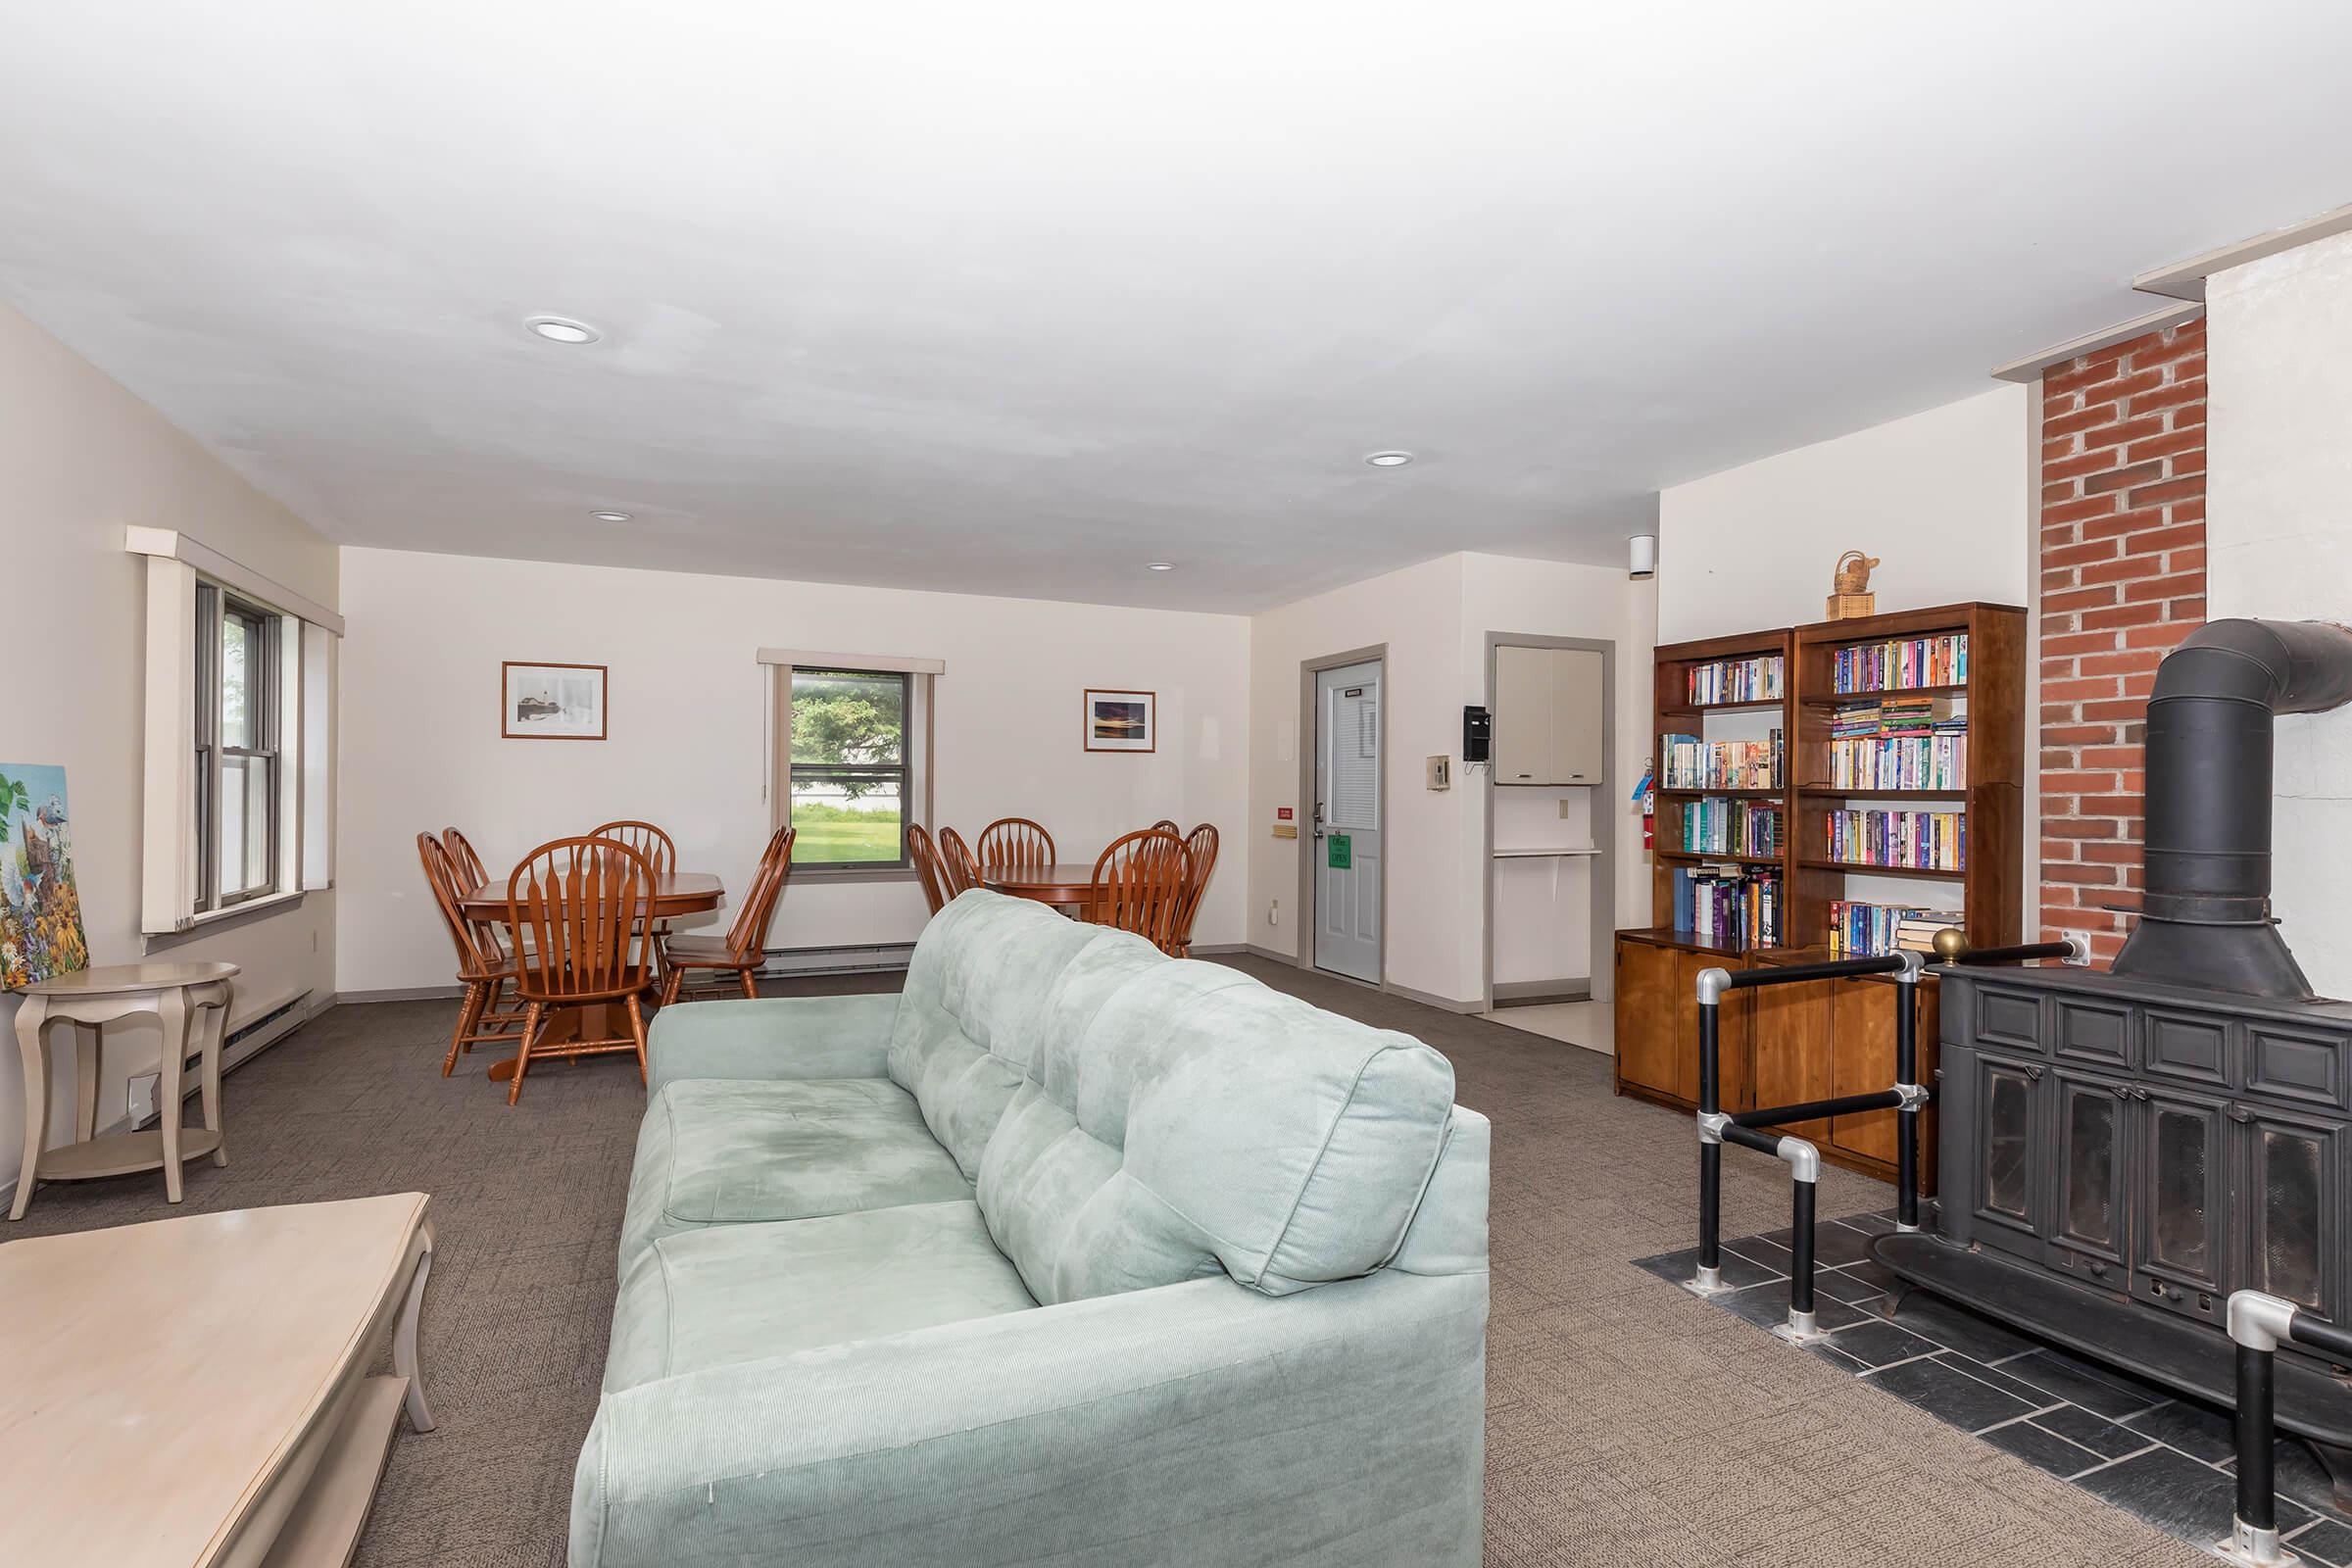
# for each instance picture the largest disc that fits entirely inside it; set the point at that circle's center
(552, 701)
(1121, 721)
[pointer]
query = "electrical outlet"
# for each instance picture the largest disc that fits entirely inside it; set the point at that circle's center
(1274, 911)
(1564, 804)
(138, 1097)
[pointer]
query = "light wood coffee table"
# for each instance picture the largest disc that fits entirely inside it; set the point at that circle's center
(194, 1393)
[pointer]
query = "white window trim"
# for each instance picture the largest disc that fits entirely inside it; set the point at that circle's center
(170, 879)
(777, 787)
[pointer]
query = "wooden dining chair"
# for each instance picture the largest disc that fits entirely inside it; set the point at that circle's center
(1168, 824)
(923, 851)
(471, 875)
(1139, 886)
(745, 946)
(577, 909)
(483, 967)
(661, 853)
(1015, 841)
(1200, 845)
(956, 855)
(461, 855)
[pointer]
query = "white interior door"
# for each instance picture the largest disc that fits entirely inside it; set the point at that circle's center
(1346, 820)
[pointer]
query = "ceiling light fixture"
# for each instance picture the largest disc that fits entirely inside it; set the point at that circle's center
(1159, 566)
(563, 330)
(1390, 459)
(610, 517)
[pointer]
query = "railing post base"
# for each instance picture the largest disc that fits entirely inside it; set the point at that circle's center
(1707, 1282)
(2257, 1549)
(1800, 1329)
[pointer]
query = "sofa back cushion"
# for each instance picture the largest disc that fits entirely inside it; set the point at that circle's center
(1177, 1119)
(968, 1020)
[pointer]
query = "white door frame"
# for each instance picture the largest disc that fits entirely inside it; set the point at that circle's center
(1605, 809)
(1310, 722)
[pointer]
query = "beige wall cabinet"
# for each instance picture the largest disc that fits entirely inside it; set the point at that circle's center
(1547, 716)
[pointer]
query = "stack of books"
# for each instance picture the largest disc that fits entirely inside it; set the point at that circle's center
(1923, 841)
(1731, 827)
(1739, 908)
(1898, 743)
(1859, 930)
(1901, 663)
(1693, 763)
(1736, 680)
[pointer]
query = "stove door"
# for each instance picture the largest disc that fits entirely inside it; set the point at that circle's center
(2293, 1195)
(2092, 1208)
(2008, 1191)
(2180, 1229)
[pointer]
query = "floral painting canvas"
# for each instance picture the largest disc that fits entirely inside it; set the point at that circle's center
(40, 909)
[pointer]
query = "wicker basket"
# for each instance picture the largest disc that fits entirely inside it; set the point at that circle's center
(1850, 594)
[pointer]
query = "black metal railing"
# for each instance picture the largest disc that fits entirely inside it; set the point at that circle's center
(1906, 1098)
(2259, 1324)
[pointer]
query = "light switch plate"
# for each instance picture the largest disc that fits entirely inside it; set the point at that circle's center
(1440, 772)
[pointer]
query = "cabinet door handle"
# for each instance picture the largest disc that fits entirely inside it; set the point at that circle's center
(2033, 1075)
(2240, 1115)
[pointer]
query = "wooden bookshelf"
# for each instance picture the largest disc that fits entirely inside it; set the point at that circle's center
(1788, 1044)
(1676, 714)
(1991, 804)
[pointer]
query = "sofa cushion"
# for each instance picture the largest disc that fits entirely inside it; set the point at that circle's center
(732, 1152)
(1180, 1118)
(967, 1022)
(743, 1292)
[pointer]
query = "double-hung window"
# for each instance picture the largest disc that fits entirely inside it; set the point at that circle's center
(851, 774)
(851, 765)
(239, 795)
(239, 773)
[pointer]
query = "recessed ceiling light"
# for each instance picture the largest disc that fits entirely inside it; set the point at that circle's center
(610, 517)
(1160, 565)
(1390, 459)
(563, 330)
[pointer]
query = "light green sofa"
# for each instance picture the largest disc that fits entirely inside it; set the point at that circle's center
(1071, 1253)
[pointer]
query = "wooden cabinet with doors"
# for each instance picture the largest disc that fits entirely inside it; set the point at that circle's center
(1547, 708)
(1657, 1022)
(1777, 1044)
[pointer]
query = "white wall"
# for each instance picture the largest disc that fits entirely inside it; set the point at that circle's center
(81, 459)
(2279, 540)
(1944, 498)
(1434, 618)
(421, 748)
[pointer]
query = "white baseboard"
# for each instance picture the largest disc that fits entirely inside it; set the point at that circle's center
(363, 998)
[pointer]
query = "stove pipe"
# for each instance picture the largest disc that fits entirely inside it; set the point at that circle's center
(2205, 918)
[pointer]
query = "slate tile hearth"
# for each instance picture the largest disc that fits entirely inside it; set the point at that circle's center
(2167, 1459)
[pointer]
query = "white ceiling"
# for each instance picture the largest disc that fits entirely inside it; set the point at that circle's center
(1018, 298)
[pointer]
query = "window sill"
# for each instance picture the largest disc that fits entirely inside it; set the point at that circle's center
(236, 914)
(835, 874)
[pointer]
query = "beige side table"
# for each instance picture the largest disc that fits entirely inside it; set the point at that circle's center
(184, 998)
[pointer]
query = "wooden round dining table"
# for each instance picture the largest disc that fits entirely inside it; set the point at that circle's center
(1064, 883)
(678, 893)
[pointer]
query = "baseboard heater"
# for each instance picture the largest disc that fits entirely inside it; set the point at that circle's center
(241, 1047)
(781, 963)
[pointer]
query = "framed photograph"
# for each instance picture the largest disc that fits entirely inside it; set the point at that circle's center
(552, 701)
(1121, 721)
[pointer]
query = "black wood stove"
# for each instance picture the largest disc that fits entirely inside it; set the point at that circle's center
(2122, 1150)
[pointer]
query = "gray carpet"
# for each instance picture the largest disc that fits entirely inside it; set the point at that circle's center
(1627, 1422)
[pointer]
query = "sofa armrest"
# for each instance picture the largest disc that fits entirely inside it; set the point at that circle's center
(1198, 1423)
(780, 1037)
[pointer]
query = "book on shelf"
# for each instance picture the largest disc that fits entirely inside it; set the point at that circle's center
(1901, 663)
(1918, 841)
(1908, 763)
(1712, 826)
(1696, 763)
(1736, 680)
(1728, 903)
(1859, 929)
